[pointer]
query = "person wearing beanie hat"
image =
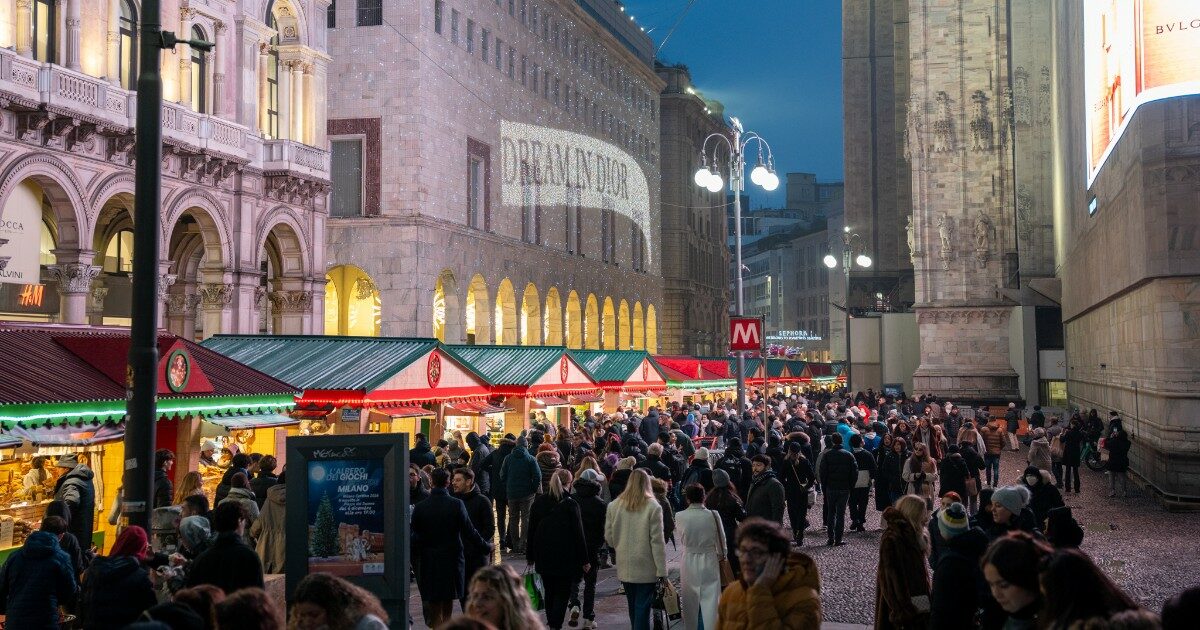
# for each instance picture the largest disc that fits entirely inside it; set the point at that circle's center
(77, 489)
(117, 588)
(720, 479)
(521, 477)
(954, 600)
(620, 476)
(1010, 511)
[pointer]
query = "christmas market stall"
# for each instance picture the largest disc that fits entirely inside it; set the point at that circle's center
(629, 378)
(536, 382)
(63, 402)
(353, 385)
(690, 381)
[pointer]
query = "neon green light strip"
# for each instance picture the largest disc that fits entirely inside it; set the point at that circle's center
(116, 408)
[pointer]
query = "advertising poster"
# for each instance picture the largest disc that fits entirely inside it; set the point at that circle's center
(346, 516)
(20, 240)
(1135, 51)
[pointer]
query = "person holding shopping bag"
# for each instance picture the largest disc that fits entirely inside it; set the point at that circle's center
(703, 540)
(633, 525)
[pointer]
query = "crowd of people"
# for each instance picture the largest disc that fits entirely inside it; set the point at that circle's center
(960, 546)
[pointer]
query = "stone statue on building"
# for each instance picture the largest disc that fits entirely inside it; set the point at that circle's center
(914, 146)
(985, 234)
(945, 228)
(911, 231)
(981, 122)
(943, 126)
(1021, 107)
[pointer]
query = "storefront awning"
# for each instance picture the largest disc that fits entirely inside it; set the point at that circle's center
(552, 401)
(67, 435)
(311, 414)
(473, 409)
(584, 399)
(405, 412)
(256, 421)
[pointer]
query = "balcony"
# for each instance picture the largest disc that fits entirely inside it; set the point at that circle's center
(297, 158)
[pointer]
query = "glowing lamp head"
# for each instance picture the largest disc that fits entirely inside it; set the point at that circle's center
(757, 174)
(829, 261)
(770, 181)
(714, 183)
(702, 176)
(863, 261)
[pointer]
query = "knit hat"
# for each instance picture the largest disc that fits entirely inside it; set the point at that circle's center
(701, 454)
(522, 442)
(720, 479)
(952, 520)
(208, 445)
(131, 542)
(69, 460)
(1013, 498)
(590, 474)
(626, 463)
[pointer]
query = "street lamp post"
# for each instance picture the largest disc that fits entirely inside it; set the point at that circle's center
(763, 175)
(848, 260)
(141, 410)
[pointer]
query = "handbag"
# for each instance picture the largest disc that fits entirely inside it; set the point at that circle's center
(666, 599)
(533, 586)
(725, 568)
(812, 497)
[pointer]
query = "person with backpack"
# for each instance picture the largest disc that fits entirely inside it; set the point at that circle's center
(735, 464)
(698, 471)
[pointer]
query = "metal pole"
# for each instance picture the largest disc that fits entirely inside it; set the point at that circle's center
(846, 260)
(737, 165)
(141, 411)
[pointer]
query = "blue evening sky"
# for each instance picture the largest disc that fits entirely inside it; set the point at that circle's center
(775, 64)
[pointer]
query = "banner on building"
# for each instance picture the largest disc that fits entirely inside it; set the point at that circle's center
(1135, 51)
(21, 237)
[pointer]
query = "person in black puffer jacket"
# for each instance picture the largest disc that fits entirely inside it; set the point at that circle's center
(557, 547)
(117, 588)
(654, 464)
(736, 465)
(592, 511)
(238, 464)
(958, 584)
(953, 473)
(492, 464)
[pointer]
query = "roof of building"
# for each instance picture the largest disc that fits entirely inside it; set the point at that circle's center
(610, 365)
(63, 363)
(507, 365)
(314, 362)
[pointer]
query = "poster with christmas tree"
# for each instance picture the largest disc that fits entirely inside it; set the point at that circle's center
(346, 516)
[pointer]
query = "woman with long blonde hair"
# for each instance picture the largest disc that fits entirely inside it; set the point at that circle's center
(589, 463)
(192, 484)
(902, 584)
(557, 548)
(634, 527)
(497, 596)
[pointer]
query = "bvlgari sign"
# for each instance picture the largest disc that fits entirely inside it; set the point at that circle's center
(20, 237)
(551, 167)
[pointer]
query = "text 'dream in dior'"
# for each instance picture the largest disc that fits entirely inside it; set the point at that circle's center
(558, 167)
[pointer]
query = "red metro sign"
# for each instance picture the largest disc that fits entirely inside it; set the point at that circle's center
(745, 333)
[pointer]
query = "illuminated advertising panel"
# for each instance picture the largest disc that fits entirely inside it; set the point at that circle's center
(1135, 51)
(551, 167)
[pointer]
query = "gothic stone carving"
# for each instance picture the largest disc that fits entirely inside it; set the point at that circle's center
(1023, 112)
(1043, 114)
(1025, 220)
(74, 278)
(943, 126)
(981, 122)
(913, 252)
(96, 300)
(215, 296)
(990, 317)
(914, 146)
(291, 301)
(164, 284)
(364, 288)
(985, 234)
(182, 303)
(945, 226)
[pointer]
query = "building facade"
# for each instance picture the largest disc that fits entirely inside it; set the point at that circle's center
(695, 261)
(495, 174)
(1126, 242)
(245, 174)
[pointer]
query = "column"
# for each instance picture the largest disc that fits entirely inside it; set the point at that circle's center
(288, 309)
(60, 41)
(215, 298)
(74, 286)
(74, 24)
(185, 56)
(263, 92)
(217, 59)
(113, 41)
(95, 303)
(165, 280)
(320, 112)
(24, 28)
(298, 118)
(285, 100)
(181, 311)
(308, 131)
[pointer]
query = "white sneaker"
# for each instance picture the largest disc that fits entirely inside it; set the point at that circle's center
(589, 624)
(573, 616)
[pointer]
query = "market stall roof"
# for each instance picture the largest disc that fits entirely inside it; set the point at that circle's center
(552, 401)
(57, 373)
(753, 368)
(405, 412)
(823, 371)
(797, 369)
(628, 369)
(697, 379)
(474, 409)
(253, 421)
(777, 368)
(525, 370)
(356, 371)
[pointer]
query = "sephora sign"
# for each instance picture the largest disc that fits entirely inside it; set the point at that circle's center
(547, 167)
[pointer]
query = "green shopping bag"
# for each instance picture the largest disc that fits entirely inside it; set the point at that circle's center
(533, 586)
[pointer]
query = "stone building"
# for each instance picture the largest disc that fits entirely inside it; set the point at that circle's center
(495, 169)
(245, 175)
(694, 317)
(1126, 243)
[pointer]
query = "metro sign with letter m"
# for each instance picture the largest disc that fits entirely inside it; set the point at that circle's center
(745, 333)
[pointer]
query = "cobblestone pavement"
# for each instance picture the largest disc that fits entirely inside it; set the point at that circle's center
(1149, 552)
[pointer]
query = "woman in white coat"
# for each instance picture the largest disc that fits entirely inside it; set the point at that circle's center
(633, 525)
(703, 538)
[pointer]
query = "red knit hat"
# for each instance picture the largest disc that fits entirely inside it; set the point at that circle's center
(131, 542)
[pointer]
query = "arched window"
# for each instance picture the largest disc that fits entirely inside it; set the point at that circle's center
(118, 258)
(128, 45)
(199, 74)
(45, 23)
(272, 104)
